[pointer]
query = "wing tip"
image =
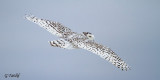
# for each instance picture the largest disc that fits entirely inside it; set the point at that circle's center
(126, 68)
(29, 16)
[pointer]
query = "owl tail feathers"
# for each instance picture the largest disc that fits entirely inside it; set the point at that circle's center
(61, 44)
(54, 44)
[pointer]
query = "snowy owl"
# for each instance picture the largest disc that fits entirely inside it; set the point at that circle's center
(74, 40)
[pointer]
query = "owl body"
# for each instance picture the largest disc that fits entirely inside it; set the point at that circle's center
(73, 40)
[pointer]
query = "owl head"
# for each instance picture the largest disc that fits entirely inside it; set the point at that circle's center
(89, 35)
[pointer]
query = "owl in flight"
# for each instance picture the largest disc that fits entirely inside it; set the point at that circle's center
(73, 40)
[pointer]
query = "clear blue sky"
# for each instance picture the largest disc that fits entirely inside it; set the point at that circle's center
(131, 28)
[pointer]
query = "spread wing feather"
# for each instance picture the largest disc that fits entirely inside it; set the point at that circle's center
(105, 53)
(51, 26)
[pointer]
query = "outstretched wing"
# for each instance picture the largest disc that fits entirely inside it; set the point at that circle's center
(105, 53)
(51, 26)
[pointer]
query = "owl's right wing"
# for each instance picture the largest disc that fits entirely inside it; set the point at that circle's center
(51, 26)
(104, 52)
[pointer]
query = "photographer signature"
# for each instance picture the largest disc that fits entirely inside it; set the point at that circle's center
(16, 75)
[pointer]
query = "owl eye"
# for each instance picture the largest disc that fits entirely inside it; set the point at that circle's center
(89, 36)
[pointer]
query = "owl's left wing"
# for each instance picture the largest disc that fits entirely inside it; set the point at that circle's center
(105, 53)
(53, 27)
